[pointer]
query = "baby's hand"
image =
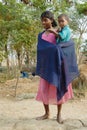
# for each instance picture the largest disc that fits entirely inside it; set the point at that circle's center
(59, 29)
(52, 30)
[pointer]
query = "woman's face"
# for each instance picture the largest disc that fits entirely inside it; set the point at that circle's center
(46, 22)
(62, 22)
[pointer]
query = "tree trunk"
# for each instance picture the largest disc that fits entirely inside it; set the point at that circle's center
(19, 60)
(6, 50)
(27, 58)
(78, 49)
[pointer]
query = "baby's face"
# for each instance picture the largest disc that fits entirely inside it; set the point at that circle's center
(62, 22)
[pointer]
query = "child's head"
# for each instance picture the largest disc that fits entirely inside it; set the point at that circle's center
(47, 19)
(63, 20)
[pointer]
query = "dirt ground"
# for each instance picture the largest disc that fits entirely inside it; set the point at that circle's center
(25, 86)
(20, 112)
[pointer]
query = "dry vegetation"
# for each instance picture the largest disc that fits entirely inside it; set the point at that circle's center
(80, 83)
(29, 85)
(25, 85)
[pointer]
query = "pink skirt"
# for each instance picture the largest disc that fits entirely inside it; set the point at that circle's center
(47, 93)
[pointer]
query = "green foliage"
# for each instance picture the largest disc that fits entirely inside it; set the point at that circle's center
(20, 24)
(82, 8)
(16, 22)
(39, 4)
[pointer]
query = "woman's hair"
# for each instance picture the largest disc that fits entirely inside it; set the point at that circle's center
(49, 15)
(64, 16)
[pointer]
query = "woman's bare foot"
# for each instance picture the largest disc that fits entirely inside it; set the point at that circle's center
(59, 119)
(46, 116)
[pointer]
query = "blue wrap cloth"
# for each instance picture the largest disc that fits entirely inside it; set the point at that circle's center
(56, 64)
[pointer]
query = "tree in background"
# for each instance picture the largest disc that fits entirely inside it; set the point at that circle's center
(16, 21)
(20, 25)
(79, 26)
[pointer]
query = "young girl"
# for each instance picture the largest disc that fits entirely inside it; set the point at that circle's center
(64, 34)
(47, 92)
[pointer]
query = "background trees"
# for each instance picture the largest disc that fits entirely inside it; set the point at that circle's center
(20, 25)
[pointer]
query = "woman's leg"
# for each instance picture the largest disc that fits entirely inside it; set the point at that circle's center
(46, 115)
(59, 107)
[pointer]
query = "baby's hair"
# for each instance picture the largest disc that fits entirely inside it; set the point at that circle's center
(65, 16)
(49, 15)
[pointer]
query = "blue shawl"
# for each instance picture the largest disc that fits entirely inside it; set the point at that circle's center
(56, 64)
